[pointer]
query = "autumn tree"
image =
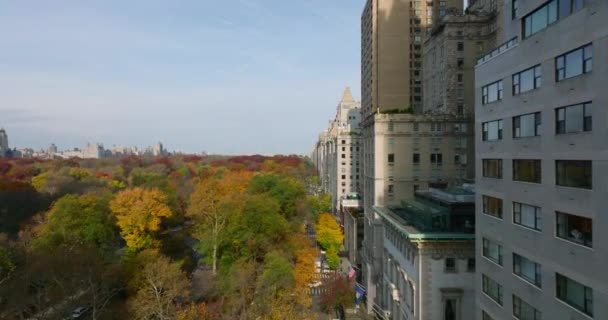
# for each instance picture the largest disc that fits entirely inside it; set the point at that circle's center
(330, 236)
(286, 190)
(318, 204)
(159, 284)
(76, 220)
(213, 201)
(339, 294)
(139, 214)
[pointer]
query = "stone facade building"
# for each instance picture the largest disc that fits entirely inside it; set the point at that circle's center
(428, 265)
(542, 164)
(336, 153)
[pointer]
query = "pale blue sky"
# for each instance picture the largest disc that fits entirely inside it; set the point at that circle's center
(227, 76)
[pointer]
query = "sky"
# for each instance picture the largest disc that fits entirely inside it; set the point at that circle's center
(228, 76)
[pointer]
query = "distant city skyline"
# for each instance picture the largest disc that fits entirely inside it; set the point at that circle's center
(236, 77)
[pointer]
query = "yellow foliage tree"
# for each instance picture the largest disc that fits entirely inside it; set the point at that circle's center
(211, 204)
(139, 214)
(330, 236)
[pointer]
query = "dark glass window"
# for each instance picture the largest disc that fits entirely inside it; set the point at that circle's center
(524, 311)
(492, 168)
(527, 269)
(575, 294)
(492, 206)
(416, 158)
(576, 229)
(574, 173)
(527, 170)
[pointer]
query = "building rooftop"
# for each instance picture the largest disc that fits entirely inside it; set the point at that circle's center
(434, 215)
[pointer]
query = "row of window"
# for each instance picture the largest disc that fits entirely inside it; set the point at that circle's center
(567, 290)
(571, 64)
(568, 173)
(547, 14)
(569, 227)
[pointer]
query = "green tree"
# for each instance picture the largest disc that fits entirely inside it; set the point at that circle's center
(287, 191)
(213, 202)
(77, 219)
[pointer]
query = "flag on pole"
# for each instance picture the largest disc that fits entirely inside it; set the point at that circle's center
(351, 273)
(359, 293)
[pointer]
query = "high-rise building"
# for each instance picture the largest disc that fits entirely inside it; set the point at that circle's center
(542, 164)
(336, 153)
(402, 151)
(4, 148)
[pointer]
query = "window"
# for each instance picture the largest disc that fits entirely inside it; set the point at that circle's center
(343, 156)
(527, 171)
(343, 176)
(343, 141)
(442, 12)
(460, 63)
(391, 158)
(492, 206)
(527, 216)
(450, 265)
(460, 109)
(459, 77)
(527, 269)
(491, 92)
(391, 189)
(416, 158)
(471, 265)
(485, 316)
(491, 130)
(460, 46)
(514, 7)
(442, 3)
(492, 168)
(527, 125)
(573, 119)
(540, 18)
(492, 251)
(523, 311)
(574, 63)
(492, 289)
(437, 158)
(416, 126)
(575, 294)
(527, 80)
(575, 229)
(574, 173)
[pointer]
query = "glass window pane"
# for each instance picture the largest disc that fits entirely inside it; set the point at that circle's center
(539, 20)
(574, 63)
(552, 12)
(574, 119)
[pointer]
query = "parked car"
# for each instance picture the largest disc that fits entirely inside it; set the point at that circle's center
(77, 313)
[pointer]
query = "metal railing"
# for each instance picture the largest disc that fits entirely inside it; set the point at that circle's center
(498, 50)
